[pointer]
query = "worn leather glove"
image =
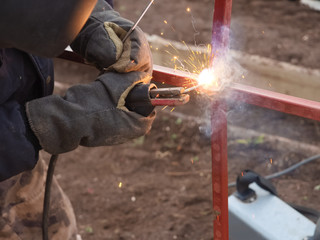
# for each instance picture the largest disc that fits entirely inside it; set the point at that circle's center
(90, 114)
(100, 42)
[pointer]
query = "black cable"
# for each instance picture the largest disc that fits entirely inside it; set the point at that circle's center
(306, 211)
(316, 235)
(46, 201)
(287, 170)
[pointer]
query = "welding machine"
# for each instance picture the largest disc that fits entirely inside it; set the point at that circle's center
(257, 213)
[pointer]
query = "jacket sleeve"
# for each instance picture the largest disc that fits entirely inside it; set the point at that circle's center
(42, 27)
(89, 114)
(18, 145)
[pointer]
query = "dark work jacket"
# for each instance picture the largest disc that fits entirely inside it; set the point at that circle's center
(23, 77)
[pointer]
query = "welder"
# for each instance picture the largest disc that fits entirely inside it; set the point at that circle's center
(32, 119)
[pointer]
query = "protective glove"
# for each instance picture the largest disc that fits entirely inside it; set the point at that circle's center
(90, 114)
(100, 42)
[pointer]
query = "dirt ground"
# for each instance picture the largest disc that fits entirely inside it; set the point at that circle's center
(158, 187)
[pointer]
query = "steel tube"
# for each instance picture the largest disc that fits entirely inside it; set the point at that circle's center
(220, 42)
(275, 101)
(247, 94)
(219, 170)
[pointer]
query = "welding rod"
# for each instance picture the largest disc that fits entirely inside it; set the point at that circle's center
(191, 89)
(137, 22)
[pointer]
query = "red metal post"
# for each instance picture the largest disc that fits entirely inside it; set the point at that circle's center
(220, 41)
(219, 171)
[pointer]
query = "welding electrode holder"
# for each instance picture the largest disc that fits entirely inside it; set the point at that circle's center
(139, 101)
(143, 98)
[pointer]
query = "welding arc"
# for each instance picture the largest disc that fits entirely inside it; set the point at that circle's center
(137, 22)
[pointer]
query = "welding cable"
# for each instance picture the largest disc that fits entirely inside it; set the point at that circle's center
(306, 211)
(46, 201)
(287, 170)
(316, 235)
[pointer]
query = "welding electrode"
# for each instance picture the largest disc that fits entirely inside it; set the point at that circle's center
(191, 89)
(137, 22)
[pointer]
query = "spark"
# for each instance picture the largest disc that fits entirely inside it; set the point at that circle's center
(172, 109)
(161, 33)
(188, 9)
(120, 184)
(242, 174)
(270, 160)
(164, 107)
(170, 44)
(243, 77)
(198, 65)
(166, 51)
(165, 21)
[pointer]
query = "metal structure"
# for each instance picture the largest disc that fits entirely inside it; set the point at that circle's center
(238, 93)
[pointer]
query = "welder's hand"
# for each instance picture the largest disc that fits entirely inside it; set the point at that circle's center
(90, 114)
(100, 42)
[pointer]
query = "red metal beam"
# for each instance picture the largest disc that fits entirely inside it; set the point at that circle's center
(173, 77)
(275, 101)
(251, 95)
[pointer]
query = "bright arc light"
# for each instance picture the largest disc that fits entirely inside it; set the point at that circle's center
(208, 79)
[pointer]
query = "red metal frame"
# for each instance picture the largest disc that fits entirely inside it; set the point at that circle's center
(237, 93)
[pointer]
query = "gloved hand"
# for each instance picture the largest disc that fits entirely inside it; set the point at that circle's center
(90, 114)
(100, 42)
